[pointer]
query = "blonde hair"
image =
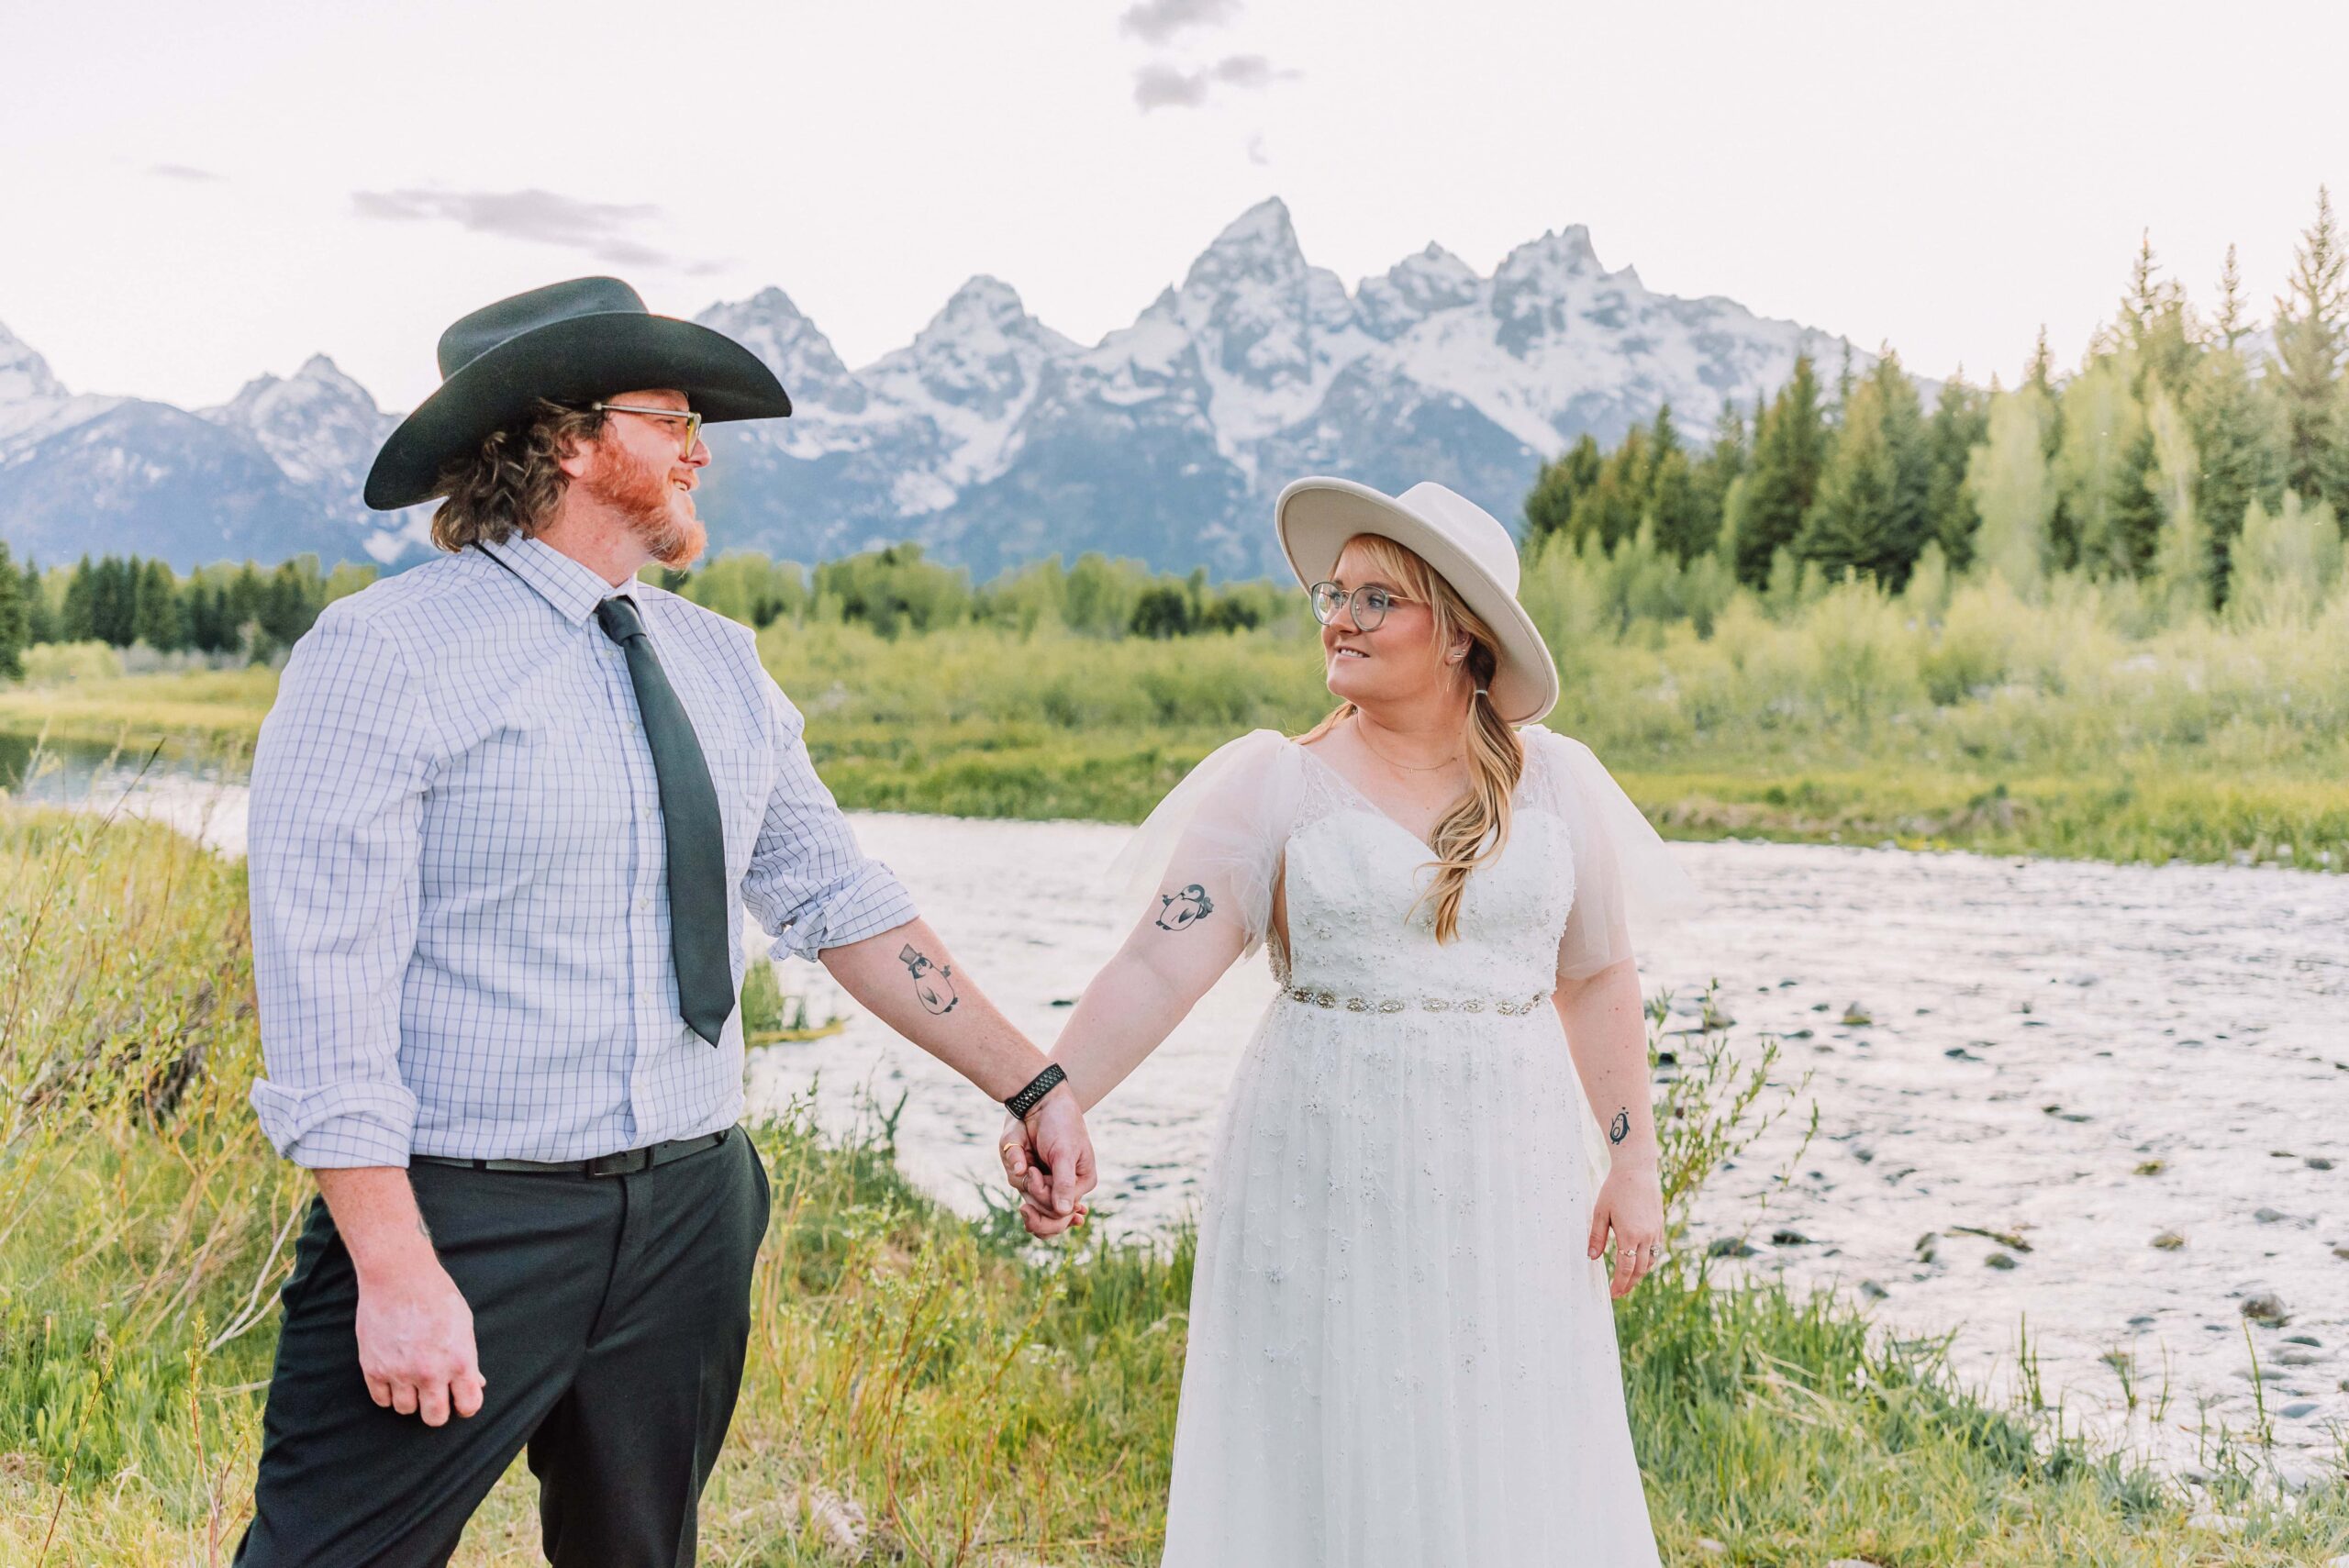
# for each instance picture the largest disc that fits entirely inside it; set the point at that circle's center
(1472, 833)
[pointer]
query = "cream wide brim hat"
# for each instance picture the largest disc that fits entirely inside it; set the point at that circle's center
(1468, 547)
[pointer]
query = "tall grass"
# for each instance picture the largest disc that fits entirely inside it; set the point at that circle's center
(2079, 717)
(921, 1389)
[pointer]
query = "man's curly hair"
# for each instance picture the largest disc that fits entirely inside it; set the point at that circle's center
(510, 483)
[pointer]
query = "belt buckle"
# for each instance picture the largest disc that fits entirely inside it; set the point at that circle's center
(625, 1163)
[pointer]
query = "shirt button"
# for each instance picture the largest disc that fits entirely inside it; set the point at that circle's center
(644, 904)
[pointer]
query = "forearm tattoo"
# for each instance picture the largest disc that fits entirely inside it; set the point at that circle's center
(933, 985)
(1188, 907)
(1620, 1128)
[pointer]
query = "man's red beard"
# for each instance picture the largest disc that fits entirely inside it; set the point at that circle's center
(641, 494)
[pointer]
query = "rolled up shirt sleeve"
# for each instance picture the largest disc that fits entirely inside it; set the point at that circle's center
(809, 884)
(338, 780)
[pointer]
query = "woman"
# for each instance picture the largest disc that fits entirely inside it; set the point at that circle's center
(1395, 1357)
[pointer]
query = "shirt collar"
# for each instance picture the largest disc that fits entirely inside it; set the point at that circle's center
(572, 589)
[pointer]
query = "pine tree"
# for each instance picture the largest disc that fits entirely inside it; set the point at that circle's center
(15, 630)
(77, 618)
(1609, 511)
(157, 617)
(1871, 515)
(2181, 555)
(2103, 457)
(1961, 421)
(2230, 324)
(2039, 374)
(2236, 442)
(40, 625)
(2155, 329)
(1562, 482)
(2009, 478)
(1789, 450)
(2311, 328)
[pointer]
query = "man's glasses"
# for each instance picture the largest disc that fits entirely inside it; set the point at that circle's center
(1370, 605)
(691, 420)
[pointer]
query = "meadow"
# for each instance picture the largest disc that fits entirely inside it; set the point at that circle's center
(2087, 719)
(922, 1389)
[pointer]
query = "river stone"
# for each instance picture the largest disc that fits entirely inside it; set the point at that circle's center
(2169, 1240)
(1788, 1239)
(2266, 1309)
(2296, 1356)
(2318, 1162)
(1998, 1261)
(2309, 1339)
(2297, 1408)
(1855, 1017)
(2268, 1215)
(1729, 1247)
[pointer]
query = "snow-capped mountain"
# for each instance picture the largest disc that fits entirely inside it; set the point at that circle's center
(992, 438)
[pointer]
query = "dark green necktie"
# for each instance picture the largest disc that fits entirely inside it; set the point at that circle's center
(690, 825)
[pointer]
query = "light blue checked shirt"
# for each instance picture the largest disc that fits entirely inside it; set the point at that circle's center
(461, 917)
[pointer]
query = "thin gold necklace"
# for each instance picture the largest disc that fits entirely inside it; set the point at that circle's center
(1361, 735)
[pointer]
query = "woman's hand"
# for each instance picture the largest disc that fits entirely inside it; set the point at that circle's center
(1630, 1203)
(1032, 1182)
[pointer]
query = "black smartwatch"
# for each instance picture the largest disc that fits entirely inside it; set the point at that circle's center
(1042, 1084)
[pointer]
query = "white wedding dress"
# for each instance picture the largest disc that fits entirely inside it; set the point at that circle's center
(1400, 1354)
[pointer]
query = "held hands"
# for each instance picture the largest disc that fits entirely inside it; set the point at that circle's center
(416, 1343)
(1048, 1160)
(1630, 1203)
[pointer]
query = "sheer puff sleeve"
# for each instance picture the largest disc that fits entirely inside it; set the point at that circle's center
(1628, 884)
(1216, 840)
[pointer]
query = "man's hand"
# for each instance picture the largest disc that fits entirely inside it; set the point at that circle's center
(416, 1343)
(1049, 1159)
(414, 1331)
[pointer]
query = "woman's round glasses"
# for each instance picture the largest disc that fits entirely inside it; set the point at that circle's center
(1370, 605)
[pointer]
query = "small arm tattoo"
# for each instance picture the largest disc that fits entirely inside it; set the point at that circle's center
(1188, 907)
(933, 985)
(1620, 1128)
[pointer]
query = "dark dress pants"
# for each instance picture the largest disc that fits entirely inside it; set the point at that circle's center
(611, 1314)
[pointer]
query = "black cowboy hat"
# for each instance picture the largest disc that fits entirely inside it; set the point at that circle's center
(572, 342)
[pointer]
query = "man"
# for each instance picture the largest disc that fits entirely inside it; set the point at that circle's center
(505, 816)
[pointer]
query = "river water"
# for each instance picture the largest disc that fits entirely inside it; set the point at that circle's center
(2072, 1056)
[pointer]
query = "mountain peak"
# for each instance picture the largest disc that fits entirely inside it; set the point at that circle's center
(1560, 254)
(24, 375)
(802, 358)
(982, 299)
(1260, 242)
(1413, 288)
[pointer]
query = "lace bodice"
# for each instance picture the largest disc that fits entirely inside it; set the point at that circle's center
(1582, 869)
(1352, 875)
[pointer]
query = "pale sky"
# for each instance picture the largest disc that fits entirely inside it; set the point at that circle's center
(192, 195)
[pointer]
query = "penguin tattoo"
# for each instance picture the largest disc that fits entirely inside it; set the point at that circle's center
(933, 985)
(1176, 910)
(1620, 1128)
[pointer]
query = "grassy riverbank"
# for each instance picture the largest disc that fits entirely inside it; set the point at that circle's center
(1954, 714)
(917, 1383)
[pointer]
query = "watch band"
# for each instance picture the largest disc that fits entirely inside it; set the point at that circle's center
(1042, 1084)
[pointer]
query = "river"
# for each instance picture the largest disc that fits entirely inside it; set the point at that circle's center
(2073, 1056)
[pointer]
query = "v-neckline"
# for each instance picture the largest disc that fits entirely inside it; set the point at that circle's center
(1362, 795)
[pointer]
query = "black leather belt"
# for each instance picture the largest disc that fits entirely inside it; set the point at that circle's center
(625, 1163)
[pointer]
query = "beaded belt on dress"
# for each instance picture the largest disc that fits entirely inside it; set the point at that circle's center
(1511, 1008)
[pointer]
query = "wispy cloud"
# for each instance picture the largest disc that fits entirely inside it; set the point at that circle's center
(604, 230)
(1155, 21)
(183, 172)
(1162, 87)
